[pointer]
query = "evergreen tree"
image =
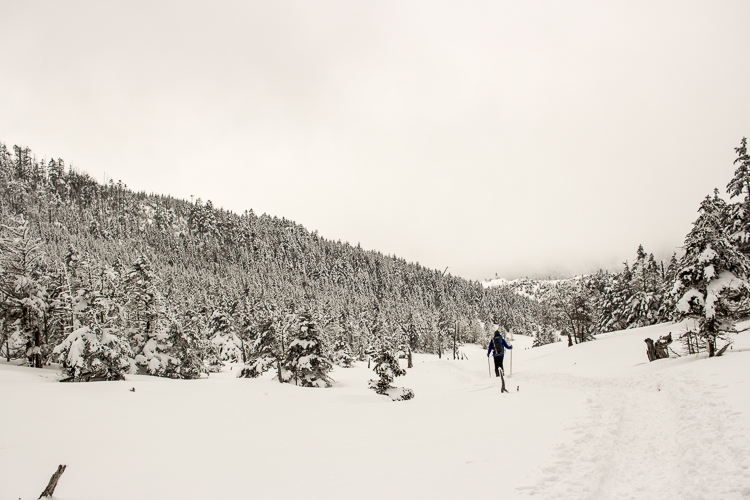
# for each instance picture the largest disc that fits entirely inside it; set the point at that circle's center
(93, 353)
(740, 183)
(185, 354)
(445, 328)
(711, 285)
(342, 354)
(224, 337)
(145, 311)
(666, 310)
(305, 357)
(387, 368)
(265, 350)
(543, 337)
(266, 325)
(22, 293)
(738, 219)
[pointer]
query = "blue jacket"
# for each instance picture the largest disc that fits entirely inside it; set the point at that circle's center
(489, 349)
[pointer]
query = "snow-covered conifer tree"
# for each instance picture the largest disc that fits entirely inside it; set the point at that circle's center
(544, 336)
(666, 310)
(711, 285)
(305, 356)
(387, 368)
(145, 309)
(93, 353)
(22, 289)
(264, 351)
(738, 220)
(96, 347)
(342, 353)
(445, 327)
(185, 354)
(223, 337)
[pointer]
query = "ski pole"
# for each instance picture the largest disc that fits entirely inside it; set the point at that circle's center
(511, 363)
(489, 370)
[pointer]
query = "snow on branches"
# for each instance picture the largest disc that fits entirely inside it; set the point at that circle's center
(305, 357)
(93, 353)
(711, 284)
(387, 368)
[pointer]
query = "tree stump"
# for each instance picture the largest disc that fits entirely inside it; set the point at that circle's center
(650, 349)
(659, 349)
(50, 489)
(662, 346)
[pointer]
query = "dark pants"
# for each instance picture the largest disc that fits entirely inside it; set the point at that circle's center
(498, 365)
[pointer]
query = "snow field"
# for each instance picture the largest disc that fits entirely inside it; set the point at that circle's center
(592, 421)
(668, 429)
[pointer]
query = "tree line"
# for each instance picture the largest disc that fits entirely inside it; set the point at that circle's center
(108, 281)
(707, 285)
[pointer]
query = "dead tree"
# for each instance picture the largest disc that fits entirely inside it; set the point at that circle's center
(662, 346)
(50, 489)
(659, 349)
(650, 349)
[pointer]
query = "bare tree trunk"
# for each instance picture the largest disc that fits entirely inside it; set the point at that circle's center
(650, 350)
(278, 360)
(37, 348)
(455, 340)
(659, 349)
(662, 346)
(692, 343)
(50, 489)
(6, 338)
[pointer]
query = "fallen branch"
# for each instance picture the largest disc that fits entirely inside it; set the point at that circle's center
(50, 489)
(82, 377)
(722, 350)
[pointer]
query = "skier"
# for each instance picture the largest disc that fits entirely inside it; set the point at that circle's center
(497, 348)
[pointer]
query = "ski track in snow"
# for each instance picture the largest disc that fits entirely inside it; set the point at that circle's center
(665, 437)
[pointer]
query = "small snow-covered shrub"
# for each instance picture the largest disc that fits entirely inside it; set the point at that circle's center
(342, 354)
(387, 368)
(401, 394)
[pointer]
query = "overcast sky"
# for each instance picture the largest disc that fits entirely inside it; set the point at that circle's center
(523, 138)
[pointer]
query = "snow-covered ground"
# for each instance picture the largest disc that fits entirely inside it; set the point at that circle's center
(594, 421)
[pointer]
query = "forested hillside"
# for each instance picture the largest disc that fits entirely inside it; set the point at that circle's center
(107, 280)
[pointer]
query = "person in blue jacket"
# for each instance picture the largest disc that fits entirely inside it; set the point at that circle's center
(497, 349)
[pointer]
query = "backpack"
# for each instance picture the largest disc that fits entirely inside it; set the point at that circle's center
(498, 349)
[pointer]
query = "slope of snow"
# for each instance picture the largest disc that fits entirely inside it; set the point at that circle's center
(591, 421)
